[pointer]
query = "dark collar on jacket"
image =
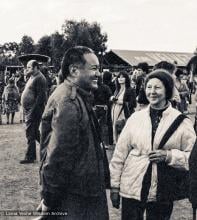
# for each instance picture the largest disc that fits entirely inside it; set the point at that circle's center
(86, 95)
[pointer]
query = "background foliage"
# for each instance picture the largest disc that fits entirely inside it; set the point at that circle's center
(54, 45)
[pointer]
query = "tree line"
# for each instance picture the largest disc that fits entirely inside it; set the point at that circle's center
(54, 45)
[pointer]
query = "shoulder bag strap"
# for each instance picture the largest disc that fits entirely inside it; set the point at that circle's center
(147, 178)
(120, 112)
(171, 130)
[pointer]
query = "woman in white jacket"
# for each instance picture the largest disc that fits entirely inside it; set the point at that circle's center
(137, 147)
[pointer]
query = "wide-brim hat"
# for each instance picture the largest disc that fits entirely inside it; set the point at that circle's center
(38, 57)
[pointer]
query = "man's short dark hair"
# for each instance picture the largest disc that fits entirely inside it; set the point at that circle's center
(165, 65)
(35, 64)
(143, 66)
(74, 55)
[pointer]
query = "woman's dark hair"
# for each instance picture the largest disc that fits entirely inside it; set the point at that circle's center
(178, 73)
(165, 78)
(127, 80)
(74, 55)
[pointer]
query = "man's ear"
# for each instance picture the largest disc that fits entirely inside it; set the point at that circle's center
(74, 71)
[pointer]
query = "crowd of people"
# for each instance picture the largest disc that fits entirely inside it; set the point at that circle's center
(11, 89)
(79, 114)
(110, 89)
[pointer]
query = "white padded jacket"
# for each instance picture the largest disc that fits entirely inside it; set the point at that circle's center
(130, 159)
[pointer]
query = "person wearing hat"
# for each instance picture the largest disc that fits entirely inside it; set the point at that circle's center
(170, 68)
(33, 101)
(137, 148)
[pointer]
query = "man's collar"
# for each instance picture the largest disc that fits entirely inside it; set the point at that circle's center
(82, 92)
(35, 74)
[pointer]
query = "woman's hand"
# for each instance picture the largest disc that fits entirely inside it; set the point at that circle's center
(113, 99)
(158, 156)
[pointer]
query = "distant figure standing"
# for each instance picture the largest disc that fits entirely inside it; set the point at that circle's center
(101, 105)
(33, 100)
(123, 102)
(183, 90)
(20, 82)
(10, 100)
(107, 80)
(142, 71)
(2, 84)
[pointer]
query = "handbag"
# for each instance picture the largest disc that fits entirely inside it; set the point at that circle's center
(120, 123)
(173, 183)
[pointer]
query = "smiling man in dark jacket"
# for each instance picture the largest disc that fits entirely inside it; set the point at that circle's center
(74, 170)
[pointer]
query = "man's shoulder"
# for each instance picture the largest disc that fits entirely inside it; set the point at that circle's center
(63, 101)
(42, 77)
(64, 93)
(39, 77)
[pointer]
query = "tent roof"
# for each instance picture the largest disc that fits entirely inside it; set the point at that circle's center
(133, 57)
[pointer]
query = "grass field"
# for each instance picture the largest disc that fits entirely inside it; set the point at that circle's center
(19, 184)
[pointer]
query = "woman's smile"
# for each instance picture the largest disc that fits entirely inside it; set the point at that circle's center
(155, 93)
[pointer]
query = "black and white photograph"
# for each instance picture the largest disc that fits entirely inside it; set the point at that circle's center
(98, 110)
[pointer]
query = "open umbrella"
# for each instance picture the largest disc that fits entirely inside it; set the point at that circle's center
(39, 57)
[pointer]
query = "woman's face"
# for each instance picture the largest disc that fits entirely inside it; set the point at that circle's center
(156, 93)
(121, 79)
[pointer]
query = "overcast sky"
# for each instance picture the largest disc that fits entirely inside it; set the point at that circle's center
(161, 25)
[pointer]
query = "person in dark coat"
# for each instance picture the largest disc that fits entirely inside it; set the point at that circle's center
(74, 172)
(143, 70)
(33, 101)
(107, 80)
(45, 72)
(101, 106)
(2, 85)
(193, 177)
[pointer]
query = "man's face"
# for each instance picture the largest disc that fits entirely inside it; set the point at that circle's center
(29, 70)
(89, 73)
(139, 72)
